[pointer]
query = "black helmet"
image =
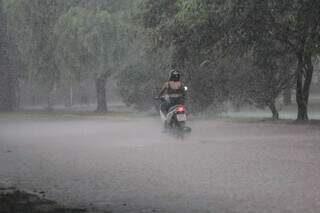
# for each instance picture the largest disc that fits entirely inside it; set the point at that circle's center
(174, 75)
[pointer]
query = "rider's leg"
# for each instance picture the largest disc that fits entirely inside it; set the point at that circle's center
(163, 107)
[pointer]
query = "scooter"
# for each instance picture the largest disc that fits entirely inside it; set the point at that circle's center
(176, 117)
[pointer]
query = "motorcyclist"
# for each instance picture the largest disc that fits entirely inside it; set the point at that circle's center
(174, 91)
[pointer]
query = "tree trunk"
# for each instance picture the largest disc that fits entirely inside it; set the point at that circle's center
(275, 113)
(49, 107)
(287, 96)
(51, 95)
(304, 77)
(237, 106)
(70, 101)
(101, 95)
(71, 95)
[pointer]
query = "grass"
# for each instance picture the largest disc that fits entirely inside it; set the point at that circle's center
(40, 115)
(247, 116)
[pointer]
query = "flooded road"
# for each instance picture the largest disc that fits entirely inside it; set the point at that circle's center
(127, 164)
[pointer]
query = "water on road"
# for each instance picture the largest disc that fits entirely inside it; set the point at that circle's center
(127, 164)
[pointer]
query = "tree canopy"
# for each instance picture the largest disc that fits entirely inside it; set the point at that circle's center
(235, 51)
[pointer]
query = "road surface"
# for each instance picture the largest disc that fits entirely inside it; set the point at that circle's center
(126, 164)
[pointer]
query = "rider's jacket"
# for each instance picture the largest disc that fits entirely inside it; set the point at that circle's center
(174, 89)
(175, 95)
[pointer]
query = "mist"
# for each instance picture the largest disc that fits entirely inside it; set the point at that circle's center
(79, 105)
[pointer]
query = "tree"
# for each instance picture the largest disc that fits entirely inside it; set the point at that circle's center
(142, 78)
(9, 67)
(91, 41)
(201, 29)
(295, 24)
(168, 28)
(32, 23)
(270, 74)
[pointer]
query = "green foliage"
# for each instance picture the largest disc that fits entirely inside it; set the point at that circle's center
(192, 11)
(143, 77)
(134, 93)
(93, 38)
(155, 13)
(9, 67)
(216, 45)
(262, 36)
(32, 23)
(68, 41)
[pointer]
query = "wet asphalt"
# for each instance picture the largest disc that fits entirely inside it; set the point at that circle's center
(128, 164)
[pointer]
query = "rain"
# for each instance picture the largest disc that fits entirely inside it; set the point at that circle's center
(159, 106)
